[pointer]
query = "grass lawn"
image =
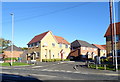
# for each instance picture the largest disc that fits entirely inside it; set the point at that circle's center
(109, 67)
(14, 64)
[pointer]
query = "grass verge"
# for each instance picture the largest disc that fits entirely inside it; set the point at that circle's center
(101, 67)
(14, 64)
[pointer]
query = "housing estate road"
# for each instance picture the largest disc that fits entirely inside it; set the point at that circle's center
(61, 71)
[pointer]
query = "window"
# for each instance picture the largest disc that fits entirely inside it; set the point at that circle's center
(35, 44)
(45, 44)
(38, 54)
(108, 38)
(60, 45)
(32, 45)
(90, 48)
(83, 48)
(117, 38)
(38, 43)
(53, 44)
(87, 48)
(118, 52)
(66, 46)
(95, 49)
(28, 45)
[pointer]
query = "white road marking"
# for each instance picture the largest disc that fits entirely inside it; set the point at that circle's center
(56, 70)
(76, 72)
(68, 71)
(42, 75)
(37, 66)
(63, 70)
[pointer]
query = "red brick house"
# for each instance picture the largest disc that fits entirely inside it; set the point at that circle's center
(108, 39)
(81, 50)
(16, 52)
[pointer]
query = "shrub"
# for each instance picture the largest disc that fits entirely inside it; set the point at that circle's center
(66, 59)
(57, 59)
(43, 60)
(10, 59)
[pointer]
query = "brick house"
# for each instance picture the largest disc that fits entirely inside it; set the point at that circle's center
(48, 46)
(82, 50)
(108, 39)
(101, 50)
(16, 52)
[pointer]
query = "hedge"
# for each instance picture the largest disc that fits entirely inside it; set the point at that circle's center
(10, 59)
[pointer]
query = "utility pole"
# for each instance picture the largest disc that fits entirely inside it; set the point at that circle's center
(12, 14)
(116, 63)
(113, 34)
(111, 26)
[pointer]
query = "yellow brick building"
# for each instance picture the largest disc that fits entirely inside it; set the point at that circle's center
(48, 46)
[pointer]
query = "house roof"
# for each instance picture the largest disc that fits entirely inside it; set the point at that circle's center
(99, 46)
(78, 43)
(104, 46)
(108, 32)
(61, 40)
(38, 37)
(41, 36)
(15, 48)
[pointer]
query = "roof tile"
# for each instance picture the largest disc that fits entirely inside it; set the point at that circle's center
(99, 46)
(108, 32)
(61, 40)
(40, 37)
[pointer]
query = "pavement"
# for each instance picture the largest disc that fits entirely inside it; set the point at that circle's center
(61, 71)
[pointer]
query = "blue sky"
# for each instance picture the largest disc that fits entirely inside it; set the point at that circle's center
(86, 21)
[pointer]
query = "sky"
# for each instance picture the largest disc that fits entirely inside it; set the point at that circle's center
(86, 21)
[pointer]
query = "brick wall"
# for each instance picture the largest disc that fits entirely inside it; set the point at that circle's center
(108, 46)
(75, 53)
(15, 54)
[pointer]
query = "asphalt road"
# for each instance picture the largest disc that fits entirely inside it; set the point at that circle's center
(61, 71)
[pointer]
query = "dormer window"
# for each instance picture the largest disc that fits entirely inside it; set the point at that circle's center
(35, 44)
(32, 45)
(28, 45)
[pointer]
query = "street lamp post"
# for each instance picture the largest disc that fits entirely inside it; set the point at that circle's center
(12, 14)
(116, 64)
(113, 33)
